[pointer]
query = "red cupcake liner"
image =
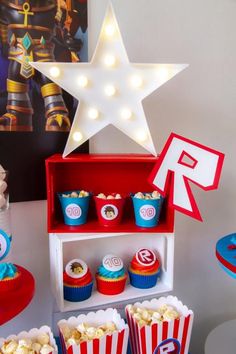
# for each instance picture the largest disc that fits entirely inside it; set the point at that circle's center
(11, 283)
(112, 287)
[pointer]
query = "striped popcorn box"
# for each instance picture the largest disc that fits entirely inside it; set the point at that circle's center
(37, 340)
(169, 336)
(112, 343)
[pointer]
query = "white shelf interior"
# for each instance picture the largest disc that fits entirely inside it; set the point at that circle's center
(93, 247)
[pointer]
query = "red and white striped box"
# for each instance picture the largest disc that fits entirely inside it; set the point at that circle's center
(170, 337)
(33, 334)
(115, 343)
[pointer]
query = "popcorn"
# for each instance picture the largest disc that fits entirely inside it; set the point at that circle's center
(36, 345)
(145, 316)
(25, 343)
(153, 195)
(9, 347)
(46, 349)
(101, 195)
(43, 338)
(75, 194)
(110, 196)
(86, 332)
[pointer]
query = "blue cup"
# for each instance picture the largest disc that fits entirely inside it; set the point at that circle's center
(75, 209)
(147, 211)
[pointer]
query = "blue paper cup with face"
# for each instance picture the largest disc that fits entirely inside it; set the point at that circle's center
(147, 211)
(75, 209)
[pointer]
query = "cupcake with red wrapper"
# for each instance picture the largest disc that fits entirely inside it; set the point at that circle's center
(144, 269)
(109, 208)
(77, 281)
(111, 275)
(10, 277)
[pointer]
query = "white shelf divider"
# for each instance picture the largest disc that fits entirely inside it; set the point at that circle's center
(92, 247)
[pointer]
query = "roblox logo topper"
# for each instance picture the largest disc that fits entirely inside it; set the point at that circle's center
(182, 162)
(168, 346)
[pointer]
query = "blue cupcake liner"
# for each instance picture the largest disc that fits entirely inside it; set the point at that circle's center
(76, 294)
(143, 281)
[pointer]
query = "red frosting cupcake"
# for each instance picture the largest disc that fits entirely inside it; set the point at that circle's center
(77, 280)
(144, 269)
(139, 267)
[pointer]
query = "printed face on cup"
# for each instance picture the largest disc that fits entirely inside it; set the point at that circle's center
(109, 212)
(147, 212)
(73, 211)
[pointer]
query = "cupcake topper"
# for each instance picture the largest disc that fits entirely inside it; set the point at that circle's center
(112, 263)
(145, 257)
(76, 268)
(4, 244)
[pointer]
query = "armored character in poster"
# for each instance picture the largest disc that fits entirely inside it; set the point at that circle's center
(27, 29)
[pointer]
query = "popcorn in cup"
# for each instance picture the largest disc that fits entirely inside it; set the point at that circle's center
(39, 341)
(161, 325)
(109, 208)
(147, 208)
(74, 206)
(103, 332)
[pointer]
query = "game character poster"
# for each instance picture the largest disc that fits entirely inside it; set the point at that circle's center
(35, 114)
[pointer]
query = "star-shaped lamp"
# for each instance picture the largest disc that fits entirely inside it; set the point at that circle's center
(110, 89)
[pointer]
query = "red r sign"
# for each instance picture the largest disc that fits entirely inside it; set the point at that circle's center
(183, 161)
(145, 257)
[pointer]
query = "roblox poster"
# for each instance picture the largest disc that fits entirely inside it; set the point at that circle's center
(35, 114)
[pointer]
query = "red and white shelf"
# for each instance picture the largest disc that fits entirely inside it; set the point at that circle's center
(123, 174)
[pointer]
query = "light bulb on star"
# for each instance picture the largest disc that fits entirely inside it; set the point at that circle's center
(115, 84)
(55, 71)
(82, 81)
(109, 29)
(126, 113)
(93, 113)
(110, 60)
(110, 90)
(77, 136)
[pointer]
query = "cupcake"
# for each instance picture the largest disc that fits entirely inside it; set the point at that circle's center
(144, 269)
(111, 275)
(77, 281)
(10, 277)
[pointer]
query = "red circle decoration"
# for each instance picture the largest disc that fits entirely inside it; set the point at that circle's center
(145, 257)
(14, 302)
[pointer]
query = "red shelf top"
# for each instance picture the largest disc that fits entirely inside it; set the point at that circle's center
(101, 173)
(102, 158)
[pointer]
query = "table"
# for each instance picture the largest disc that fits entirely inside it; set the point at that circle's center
(222, 339)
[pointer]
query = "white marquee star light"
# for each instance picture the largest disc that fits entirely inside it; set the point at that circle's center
(110, 89)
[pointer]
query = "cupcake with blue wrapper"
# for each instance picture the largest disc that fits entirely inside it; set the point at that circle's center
(111, 275)
(77, 281)
(75, 206)
(147, 208)
(144, 270)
